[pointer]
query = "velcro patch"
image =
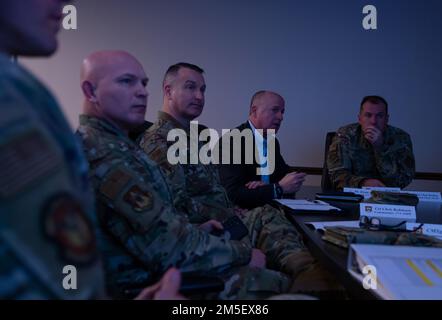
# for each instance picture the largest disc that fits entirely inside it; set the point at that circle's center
(24, 159)
(114, 183)
(159, 157)
(138, 199)
(66, 224)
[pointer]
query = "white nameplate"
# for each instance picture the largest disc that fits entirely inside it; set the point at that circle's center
(426, 196)
(434, 230)
(363, 192)
(388, 214)
(387, 189)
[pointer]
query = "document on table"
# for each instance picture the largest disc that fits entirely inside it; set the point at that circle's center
(398, 272)
(320, 225)
(316, 205)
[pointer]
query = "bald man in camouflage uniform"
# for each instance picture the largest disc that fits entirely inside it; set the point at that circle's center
(196, 188)
(371, 153)
(146, 234)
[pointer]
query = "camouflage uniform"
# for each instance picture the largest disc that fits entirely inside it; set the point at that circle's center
(146, 234)
(196, 188)
(46, 209)
(351, 158)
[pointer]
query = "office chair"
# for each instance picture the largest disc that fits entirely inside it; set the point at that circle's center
(326, 183)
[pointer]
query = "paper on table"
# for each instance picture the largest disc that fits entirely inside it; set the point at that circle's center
(382, 189)
(316, 205)
(322, 224)
(366, 193)
(402, 272)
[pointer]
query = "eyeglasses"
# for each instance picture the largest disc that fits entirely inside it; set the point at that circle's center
(374, 223)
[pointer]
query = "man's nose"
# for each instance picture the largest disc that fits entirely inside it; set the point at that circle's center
(280, 116)
(142, 91)
(199, 95)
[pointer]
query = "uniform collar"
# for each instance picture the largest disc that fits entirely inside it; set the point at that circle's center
(170, 121)
(101, 124)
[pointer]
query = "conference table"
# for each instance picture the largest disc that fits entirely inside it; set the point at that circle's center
(335, 258)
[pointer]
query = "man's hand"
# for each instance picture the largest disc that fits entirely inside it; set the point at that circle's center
(292, 182)
(165, 289)
(211, 225)
(374, 136)
(254, 184)
(258, 259)
(372, 183)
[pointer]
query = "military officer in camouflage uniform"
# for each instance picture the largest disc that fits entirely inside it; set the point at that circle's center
(197, 190)
(371, 153)
(46, 208)
(145, 233)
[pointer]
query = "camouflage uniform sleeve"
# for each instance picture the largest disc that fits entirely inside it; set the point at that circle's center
(152, 231)
(339, 164)
(156, 147)
(44, 221)
(395, 162)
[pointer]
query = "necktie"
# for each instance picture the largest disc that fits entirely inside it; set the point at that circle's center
(265, 178)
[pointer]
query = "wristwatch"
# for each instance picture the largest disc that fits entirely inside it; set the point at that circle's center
(278, 191)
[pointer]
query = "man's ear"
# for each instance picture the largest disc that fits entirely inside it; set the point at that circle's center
(89, 91)
(167, 91)
(253, 110)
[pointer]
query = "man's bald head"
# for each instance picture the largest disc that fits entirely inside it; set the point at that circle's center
(266, 110)
(113, 83)
(98, 64)
(260, 97)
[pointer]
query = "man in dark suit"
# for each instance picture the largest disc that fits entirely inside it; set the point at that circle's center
(245, 186)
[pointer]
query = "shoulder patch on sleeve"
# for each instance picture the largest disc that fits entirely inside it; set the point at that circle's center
(160, 157)
(114, 183)
(140, 200)
(157, 155)
(342, 137)
(24, 159)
